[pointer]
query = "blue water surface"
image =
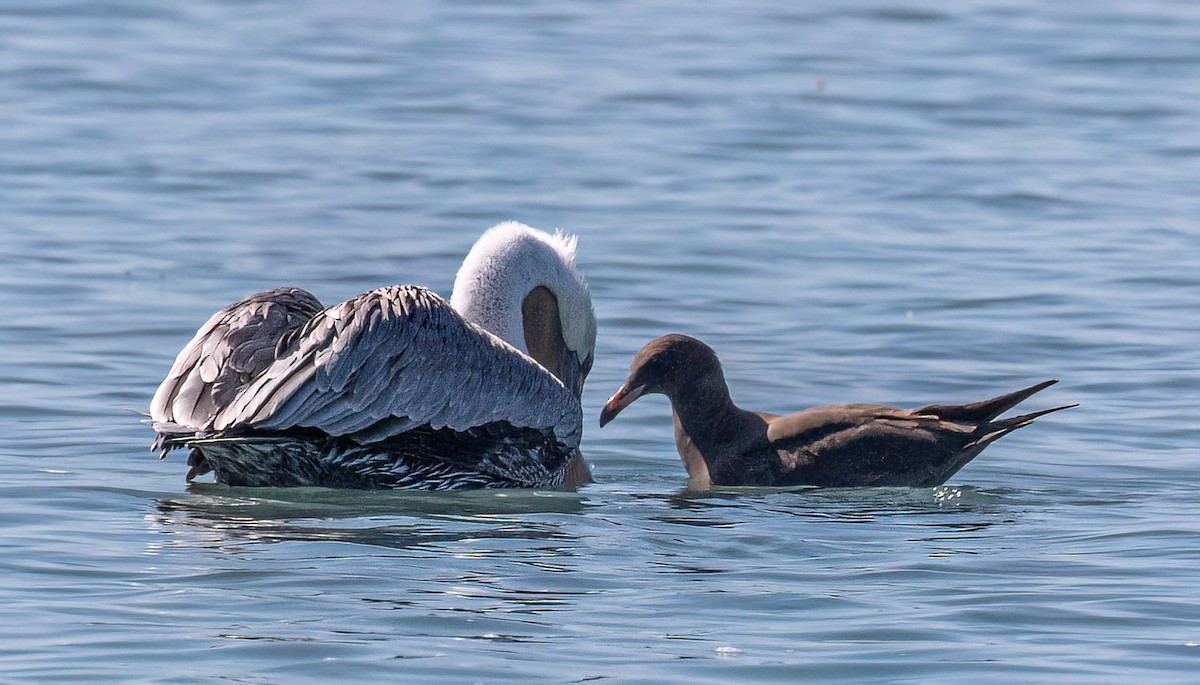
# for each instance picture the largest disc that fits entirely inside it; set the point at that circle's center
(904, 202)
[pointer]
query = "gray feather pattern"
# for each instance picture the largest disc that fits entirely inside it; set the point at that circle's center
(395, 357)
(422, 397)
(233, 346)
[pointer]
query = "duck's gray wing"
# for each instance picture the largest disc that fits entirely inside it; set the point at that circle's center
(232, 347)
(394, 359)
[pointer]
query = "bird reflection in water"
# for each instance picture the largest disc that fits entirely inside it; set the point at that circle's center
(423, 521)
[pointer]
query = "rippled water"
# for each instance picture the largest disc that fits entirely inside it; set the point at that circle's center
(863, 201)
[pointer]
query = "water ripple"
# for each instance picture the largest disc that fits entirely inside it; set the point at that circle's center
(850, 202)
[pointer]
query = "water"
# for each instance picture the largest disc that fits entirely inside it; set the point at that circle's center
(866, 201)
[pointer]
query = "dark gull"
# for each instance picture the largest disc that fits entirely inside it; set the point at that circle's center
(845, 445)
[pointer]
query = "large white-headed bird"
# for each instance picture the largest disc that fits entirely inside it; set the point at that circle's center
(395, 388)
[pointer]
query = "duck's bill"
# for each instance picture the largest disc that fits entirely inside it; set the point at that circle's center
(622, 398)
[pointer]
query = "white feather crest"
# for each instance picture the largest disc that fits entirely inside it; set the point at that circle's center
(505, 264)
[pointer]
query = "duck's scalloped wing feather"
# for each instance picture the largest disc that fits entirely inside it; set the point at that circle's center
(236, 344)
(395, 358)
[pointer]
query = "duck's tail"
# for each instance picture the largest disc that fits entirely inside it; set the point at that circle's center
(979, 413)
(986, 430)
(994, 430)
(169, 435)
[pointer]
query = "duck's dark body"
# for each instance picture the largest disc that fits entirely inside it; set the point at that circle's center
(846, 445)
(490, 456)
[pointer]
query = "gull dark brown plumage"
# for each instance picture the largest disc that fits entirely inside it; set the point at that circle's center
(846, 445)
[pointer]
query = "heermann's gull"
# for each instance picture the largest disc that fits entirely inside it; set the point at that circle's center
(396, 388)
(836, 446)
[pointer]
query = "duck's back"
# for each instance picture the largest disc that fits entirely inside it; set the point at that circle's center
(389, 389)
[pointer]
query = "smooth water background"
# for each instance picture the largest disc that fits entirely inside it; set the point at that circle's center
(851, 201)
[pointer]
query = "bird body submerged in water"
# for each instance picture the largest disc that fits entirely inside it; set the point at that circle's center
(834, 446)
(395, 388)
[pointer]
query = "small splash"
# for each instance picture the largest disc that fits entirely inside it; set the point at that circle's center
(945, 495)
(727, 652)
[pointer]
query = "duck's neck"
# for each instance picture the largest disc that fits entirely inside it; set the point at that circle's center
(533, 325)
(496, 309)
(711, 432)
(541, 328)
(705, 410)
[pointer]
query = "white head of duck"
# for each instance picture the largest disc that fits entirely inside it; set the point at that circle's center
(523, 286)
